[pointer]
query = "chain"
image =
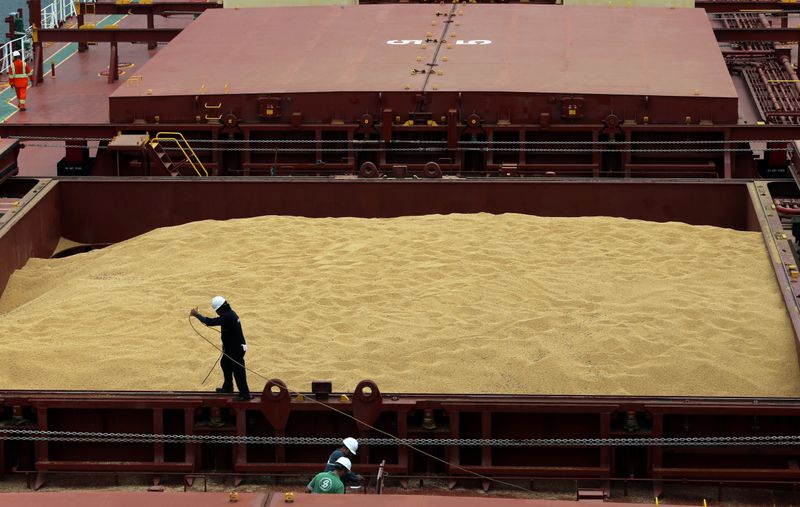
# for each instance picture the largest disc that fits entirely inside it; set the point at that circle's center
(411, 141)
(443, 149)
(414, 141)
(44, 138)
(81, 436)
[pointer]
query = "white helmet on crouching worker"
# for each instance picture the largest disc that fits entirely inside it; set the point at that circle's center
(351, 444)
(216, 302)
(345, 463)
(15, 53)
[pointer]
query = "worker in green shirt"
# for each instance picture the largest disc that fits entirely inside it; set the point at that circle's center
(330, 482)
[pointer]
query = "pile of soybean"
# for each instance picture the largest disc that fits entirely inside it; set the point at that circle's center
(454, 304)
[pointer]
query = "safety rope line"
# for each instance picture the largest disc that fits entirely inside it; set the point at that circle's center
(358, 421)
(90, 436)
(412, 141)
(487, 149)
(444, 149)
(53, 138)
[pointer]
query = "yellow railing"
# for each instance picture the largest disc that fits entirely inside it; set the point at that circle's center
(185, 148)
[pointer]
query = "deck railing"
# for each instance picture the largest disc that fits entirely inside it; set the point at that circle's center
(52, 17)
(21, 44)
(57, 12)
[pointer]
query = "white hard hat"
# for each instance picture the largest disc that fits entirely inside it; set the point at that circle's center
(217, 301)
(345, 463)
(15, 53)
(351, 444)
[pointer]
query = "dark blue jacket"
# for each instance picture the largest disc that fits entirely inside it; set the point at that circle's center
(331, 465)
(230, 329)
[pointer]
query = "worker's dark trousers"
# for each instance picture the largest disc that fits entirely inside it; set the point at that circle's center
(230, 370)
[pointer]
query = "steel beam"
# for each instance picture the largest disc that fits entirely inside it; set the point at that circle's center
(757, 34)
(717, 6)
(95, 130)
(177, 7)
(159, 9)
(108, 35)
(712, 6)
(780, 253)
(89, 406)
(113, 64)
(736, 132)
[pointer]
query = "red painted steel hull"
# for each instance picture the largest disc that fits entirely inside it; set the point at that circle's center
(88, 210)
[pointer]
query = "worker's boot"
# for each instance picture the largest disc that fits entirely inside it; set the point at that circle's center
(244, 397)
(222, 390)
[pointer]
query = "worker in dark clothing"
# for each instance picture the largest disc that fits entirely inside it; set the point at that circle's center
(233, 346)
(348, 448)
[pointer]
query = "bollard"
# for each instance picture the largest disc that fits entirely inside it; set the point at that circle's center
(53, 70)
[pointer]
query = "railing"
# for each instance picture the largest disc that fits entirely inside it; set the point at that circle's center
(52, 17)
(57, 12)
(186, 150)
(21, 44)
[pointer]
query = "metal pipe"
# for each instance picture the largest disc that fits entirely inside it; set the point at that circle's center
(768, 87)
(787, 64)
(788, 99)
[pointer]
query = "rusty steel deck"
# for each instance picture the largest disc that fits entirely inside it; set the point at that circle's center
(348, 61)
(464, 82)
(118, 499)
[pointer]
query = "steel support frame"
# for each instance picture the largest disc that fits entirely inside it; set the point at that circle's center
(780, 252)
(155, 8)
(729, 133)
(90, 130)
(757, 34)
(152, 35)
(722, 6)
(715, 6)
(113, 63)
(602, 418)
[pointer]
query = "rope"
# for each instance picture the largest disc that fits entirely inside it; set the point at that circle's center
(215, 362)
(394, 438)
(211, 370)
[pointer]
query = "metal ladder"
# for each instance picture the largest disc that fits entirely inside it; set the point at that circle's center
(156, 145)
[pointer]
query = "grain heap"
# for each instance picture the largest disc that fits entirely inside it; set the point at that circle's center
(459, 303)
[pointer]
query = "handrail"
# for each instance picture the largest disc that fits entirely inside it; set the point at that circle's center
(57, 12)
(52, 16)
(180, 140)
(19, 44)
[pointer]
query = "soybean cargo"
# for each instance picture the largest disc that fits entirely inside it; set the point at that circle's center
(450, 304)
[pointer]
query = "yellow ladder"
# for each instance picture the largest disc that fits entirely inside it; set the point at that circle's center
(189, 155)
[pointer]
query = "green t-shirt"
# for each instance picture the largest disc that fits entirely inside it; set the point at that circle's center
(326, 482)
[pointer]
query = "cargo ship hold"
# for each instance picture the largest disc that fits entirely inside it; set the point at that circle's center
(145, 115)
